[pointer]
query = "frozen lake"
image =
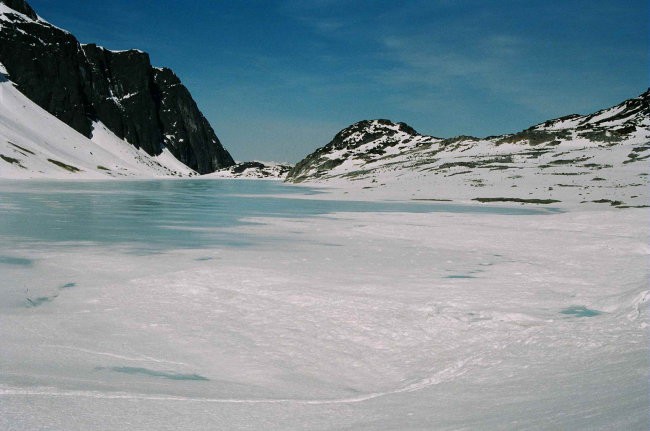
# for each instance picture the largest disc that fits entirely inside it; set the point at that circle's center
(254, 305)
(169, 214)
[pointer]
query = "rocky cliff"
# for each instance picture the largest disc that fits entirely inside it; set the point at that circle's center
(85, 84)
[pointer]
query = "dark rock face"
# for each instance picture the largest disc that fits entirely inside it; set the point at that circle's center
(120, 87)
(241, 167)
(47, 66)
(254, 170)
(79, 84)
(22, 7)
(184, 126)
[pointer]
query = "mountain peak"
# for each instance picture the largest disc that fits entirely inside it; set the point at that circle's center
(377, 125)
(364, 132)
(84, 84)
(21, 6)
(360, 142)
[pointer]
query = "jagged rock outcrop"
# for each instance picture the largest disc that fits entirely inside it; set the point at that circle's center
(185, 127)
(254, 170)
(81, 84)
(361, 142)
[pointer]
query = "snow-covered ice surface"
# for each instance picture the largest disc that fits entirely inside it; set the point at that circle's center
(212, 305)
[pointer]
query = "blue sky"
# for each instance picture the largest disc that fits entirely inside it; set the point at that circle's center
(278, 78)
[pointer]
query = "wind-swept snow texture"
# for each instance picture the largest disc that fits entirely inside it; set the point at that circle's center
(602, 158)
(347, 320)
(35, 144)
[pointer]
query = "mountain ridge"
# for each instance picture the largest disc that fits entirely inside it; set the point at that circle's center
(36, 144)
(82, 84)
(376, 154)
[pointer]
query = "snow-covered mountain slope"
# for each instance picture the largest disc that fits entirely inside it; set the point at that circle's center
(254, 170)
(35, 144)
(602, 157)
(80, 84)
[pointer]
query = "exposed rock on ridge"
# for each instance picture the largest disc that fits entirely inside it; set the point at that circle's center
(603, 157)
(367, 144)
(365, 140)
(81, 84)
(254, 170)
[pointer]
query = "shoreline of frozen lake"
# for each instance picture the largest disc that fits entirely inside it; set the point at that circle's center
(330, 317)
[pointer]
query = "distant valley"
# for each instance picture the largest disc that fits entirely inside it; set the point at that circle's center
(69, 110)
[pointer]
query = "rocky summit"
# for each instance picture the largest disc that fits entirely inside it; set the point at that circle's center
(83, 85)
(601, 157)
(361, 142)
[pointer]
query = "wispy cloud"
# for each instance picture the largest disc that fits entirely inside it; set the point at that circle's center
(456, 63)
(423, 59)
(489, 63)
